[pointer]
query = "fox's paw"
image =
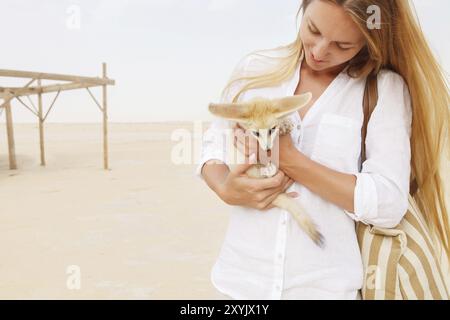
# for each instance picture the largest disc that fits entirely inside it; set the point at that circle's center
(269, 171)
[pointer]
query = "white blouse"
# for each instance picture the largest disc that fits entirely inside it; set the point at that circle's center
(266, 255)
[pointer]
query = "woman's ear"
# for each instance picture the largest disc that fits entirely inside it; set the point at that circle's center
(230, 111)
(287, 105)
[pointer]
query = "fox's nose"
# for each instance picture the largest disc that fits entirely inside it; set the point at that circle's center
(269, 152)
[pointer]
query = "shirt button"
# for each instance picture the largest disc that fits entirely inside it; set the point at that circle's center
(299, 126)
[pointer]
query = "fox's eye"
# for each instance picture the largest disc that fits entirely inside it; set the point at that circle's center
(256, 133)
(272, 129)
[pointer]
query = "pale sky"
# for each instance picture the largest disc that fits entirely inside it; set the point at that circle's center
(169, 58)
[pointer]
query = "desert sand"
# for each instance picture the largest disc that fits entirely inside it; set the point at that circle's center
(145, 229)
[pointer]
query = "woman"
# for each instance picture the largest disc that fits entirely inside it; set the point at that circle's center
(265, 255)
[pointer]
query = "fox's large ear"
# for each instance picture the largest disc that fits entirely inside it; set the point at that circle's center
(287, 105)
(230, 111)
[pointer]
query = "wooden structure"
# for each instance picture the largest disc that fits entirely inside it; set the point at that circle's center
(34, 87)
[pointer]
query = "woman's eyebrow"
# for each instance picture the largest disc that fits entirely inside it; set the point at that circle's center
(340, 42)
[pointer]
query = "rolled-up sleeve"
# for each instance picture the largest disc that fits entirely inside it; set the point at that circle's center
(214, 144)
(382, 186)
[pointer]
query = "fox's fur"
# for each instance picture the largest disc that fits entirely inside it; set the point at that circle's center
(265, 119)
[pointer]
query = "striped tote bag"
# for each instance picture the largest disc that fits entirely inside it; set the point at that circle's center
(401, 262)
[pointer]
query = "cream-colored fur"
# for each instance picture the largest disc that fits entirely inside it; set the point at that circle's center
(265, 119)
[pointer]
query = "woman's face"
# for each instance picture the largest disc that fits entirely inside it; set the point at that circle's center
(329, 35)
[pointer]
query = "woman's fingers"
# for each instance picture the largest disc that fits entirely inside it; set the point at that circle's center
(288, 184)
(270, 183)
(265, 195)
(267, 202)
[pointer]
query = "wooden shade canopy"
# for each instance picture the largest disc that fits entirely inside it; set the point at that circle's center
(34, 87)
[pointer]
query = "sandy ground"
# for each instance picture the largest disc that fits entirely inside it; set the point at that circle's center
(145, 229)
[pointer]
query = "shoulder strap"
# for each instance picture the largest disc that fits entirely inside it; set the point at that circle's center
(369, 102)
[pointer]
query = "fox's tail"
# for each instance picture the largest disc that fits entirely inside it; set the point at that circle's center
(305, 222)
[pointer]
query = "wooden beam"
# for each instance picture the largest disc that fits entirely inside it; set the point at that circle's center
(95, 100)
(51, 106)
(25, 105)
(18, 91)
(10, 96)
(53, 76)
(68, 86)
(41, 126)
(47, 89)
(105, 121)
(10, 134)
(32, 104)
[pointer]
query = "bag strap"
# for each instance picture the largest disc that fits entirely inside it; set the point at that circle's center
(369, 102)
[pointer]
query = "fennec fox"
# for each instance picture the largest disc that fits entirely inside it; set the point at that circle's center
(265, 119)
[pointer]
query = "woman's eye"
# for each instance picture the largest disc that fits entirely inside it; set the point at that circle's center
(313, 32)
(340, 48)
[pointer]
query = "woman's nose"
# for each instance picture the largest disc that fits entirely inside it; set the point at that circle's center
(320, 50)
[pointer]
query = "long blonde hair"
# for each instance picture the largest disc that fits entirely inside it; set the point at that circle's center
(399, 45)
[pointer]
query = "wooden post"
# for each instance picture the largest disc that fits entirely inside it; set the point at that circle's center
(41, 125)
(105, 122)
(10, 133)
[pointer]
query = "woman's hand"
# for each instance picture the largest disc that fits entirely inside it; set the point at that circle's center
(240, 190)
